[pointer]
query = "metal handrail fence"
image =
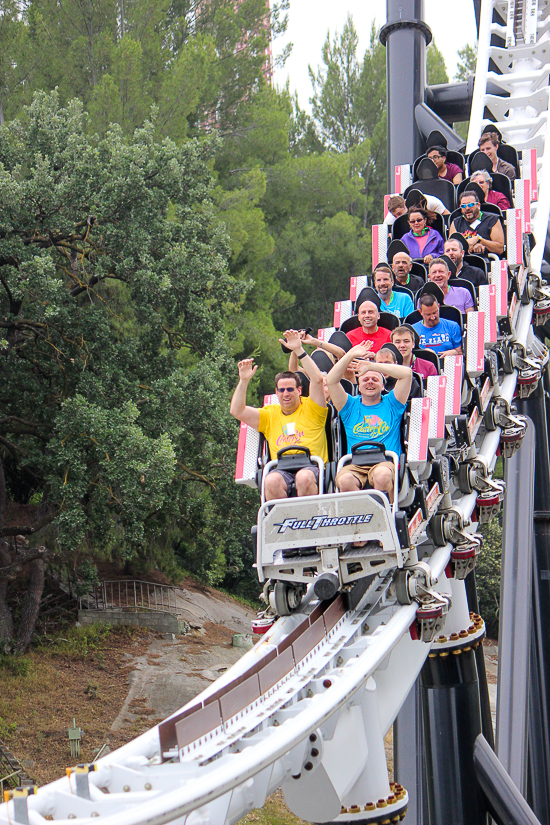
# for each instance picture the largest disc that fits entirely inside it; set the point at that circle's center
(131, 595)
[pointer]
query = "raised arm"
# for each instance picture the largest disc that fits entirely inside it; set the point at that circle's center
(238, 408)
(337, 393)
(402, 373)
(335, 350)
(293, 341)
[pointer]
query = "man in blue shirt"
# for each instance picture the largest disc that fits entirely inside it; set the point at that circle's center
(439, 334)
(398, 303)
(370, 416)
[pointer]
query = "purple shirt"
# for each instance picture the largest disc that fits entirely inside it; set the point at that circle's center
(459, 297)
(423, 367)
(434, 246)
(452, 171)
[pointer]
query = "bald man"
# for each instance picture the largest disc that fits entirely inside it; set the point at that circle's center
(369, 315)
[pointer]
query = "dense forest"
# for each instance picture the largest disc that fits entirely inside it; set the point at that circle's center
(164, 211)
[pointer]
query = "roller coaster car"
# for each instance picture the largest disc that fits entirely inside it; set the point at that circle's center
(311, 539)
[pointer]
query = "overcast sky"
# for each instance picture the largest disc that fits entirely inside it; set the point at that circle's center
(309, 21)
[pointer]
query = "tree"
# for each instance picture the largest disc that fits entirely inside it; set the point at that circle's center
(336, 91)
(467, 59)
(114, 429)
(436, 70)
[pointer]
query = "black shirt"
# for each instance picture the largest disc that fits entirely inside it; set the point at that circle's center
(471, 273)
(415, 282)
(483, 229)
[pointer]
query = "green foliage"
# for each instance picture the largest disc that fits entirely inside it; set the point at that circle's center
(16, 666)
(435, 66)
(488, 576)
(467, 58)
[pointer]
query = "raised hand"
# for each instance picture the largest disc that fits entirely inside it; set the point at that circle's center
(247, 369)
(361, 350)
(292, 340)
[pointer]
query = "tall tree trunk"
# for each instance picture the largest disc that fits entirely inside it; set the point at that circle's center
(6, 619)
(31, 606)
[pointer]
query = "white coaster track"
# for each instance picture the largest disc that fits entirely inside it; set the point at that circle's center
(308, 707)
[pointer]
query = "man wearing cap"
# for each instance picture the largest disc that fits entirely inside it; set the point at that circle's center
(455, 248)
(482, 230)
(398, 303)
(439, 334)
(405, 338)
(370, 416)
(453, 296)
(368, 314)
(401, 264)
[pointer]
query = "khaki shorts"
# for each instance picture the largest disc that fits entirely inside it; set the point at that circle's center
(364, 474)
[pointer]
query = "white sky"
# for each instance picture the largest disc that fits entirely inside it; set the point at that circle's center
(309, 21)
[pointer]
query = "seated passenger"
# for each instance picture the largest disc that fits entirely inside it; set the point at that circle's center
(404, 339)
(446, 171)
(294, 421)
(389, 354)
(369, 315)
(488, 144)
(456, 246)
(401, 264)
(369, 416)
(454, 296)
(482, 230)
(398, 303)
(439, 334)
(397, 206)
(422, 241)
(484, 180)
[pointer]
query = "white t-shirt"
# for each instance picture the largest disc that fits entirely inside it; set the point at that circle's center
(434, 205)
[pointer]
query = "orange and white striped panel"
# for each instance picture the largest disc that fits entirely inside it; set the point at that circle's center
(379, 244)
(403, 177)
(419, 425)
(522, 200)
(436, 388)
(529, 171)
(452, 369)
(342, 311)
(326, 333)
(270, 399)
(514, 240)
(247, 455)
(488, 305)
(499, 278)
(475, 343)
(356, 285)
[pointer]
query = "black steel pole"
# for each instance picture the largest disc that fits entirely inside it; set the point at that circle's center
(484, 699)
(408, 755)
(451, 722)
(514, 638)
(405, 36)
(504, 802)
(538, 784)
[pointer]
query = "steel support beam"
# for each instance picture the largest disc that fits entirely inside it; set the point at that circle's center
(405, 36)
(538, 784)
(408, 755)
(515, 612)
(504, 802)
(451, 722)
(484, 699)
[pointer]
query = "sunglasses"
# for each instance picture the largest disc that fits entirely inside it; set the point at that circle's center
(468, 205)
(418, 220)
(282, 390)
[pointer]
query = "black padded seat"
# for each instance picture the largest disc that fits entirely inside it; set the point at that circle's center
(398, 288)
(427, 355)
(401, 226)
(477, 260)
(501, 183)
(449, 313)
(323, 360)
(439, 188)
(462, 282)
(340, 339)
(387, 320)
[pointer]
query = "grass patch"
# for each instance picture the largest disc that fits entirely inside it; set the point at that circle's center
(81, 642)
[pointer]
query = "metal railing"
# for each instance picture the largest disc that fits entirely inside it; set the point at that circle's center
(131, 595)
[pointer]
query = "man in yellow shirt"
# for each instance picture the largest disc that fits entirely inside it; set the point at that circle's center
(295, 421)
